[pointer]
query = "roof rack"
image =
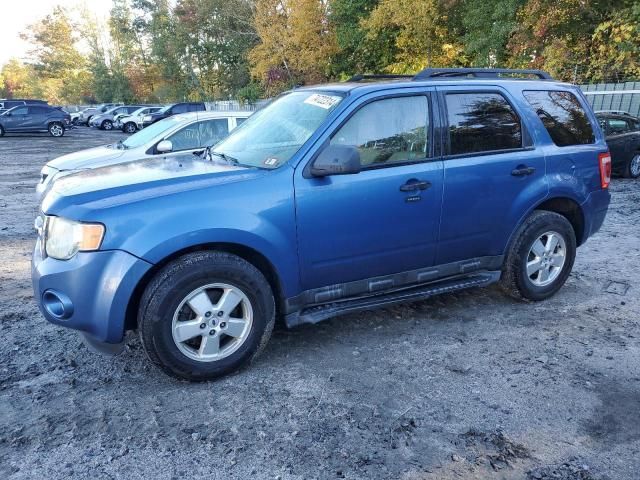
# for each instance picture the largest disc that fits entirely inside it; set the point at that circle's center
(444, 73)
(359, 78)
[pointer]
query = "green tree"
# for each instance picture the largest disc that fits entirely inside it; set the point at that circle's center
(487, 29)
(422, 34)
(357, 52)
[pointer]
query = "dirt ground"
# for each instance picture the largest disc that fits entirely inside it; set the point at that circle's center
(465, 386)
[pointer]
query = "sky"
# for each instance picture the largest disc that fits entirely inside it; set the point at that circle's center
(18, 14)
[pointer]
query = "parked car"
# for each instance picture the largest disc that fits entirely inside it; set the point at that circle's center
(129, 123)
(9, 103)
(331, 199)
(622, 132)
(87, 114)
(35, 118)
(104, 121)
(169, 110)
(187, 133)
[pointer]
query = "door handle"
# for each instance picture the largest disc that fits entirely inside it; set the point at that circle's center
(522, 170)
(413, 185)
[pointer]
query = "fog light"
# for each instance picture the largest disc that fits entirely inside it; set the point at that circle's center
(57, 304)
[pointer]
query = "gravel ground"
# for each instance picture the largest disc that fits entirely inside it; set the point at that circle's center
(470, 385)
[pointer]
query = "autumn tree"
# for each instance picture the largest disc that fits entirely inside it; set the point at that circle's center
(296, 43)
(60, 66)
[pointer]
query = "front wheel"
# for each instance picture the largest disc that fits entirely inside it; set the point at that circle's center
(632, 170)
(205, 315)
(540, 258)
(56, 129)
(107, 125)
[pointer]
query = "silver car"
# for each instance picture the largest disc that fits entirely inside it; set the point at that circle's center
(88, 113)
(128, 123)
(104, 121)
(176, 135)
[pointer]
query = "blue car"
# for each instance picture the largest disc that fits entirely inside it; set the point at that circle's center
(331, 199)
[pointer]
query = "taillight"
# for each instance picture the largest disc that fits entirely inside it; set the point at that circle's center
(604, 159)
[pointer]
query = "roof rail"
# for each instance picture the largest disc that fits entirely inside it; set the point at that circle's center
(359, 78)
(444, 73)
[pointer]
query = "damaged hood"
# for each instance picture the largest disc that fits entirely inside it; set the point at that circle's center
(140, 180)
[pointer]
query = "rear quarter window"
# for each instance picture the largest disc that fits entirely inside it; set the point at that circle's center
(562, 115)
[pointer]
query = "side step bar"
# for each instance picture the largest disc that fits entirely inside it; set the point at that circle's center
(318, 313)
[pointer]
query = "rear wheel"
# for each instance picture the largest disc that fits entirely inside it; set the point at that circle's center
(107, 125)
(540, 258)
(56, 129)
(632, 170)
(89, 120)
(129, 127)
(205, 315)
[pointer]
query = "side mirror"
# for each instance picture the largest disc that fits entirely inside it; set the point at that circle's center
(337, 160)
(165, 146)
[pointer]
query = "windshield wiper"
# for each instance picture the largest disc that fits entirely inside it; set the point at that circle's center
(230, 160)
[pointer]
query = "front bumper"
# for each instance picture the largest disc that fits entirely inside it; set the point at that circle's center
(595, 208)
(89, 292)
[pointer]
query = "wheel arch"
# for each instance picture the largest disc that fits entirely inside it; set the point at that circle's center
(571, 210)
(562, 205)
(254, 257)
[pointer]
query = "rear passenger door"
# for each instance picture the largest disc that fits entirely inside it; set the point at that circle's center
(493, 173)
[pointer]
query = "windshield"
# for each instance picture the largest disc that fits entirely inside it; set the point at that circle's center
(272, 135)
(148, 134)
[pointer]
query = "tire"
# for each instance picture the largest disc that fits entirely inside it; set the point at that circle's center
(56, 129)
(166, 307)
(106, 125)
(89, 120)
(541, 226)
(632, 169)
(129, 127)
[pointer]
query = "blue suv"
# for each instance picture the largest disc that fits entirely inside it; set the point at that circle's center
(331, 199)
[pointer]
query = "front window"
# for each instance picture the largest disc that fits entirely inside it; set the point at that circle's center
(150, 133)
(393, 130)
(272, 135)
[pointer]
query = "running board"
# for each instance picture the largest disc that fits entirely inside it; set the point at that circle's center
(318, 313)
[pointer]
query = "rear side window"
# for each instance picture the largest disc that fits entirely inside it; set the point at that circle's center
(393, 130)
(562, 116)
(482, 122)
(181, 108)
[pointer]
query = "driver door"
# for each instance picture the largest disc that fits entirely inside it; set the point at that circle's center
(374, 223)
(17, 119)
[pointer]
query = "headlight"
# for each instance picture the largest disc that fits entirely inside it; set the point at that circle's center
(64, 238)
(146, 118)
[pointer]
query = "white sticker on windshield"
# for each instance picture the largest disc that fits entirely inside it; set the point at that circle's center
(322, 101)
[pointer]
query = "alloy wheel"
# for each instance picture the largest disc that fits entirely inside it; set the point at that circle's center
(56, 130)
(546, 258)
(212, 322)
